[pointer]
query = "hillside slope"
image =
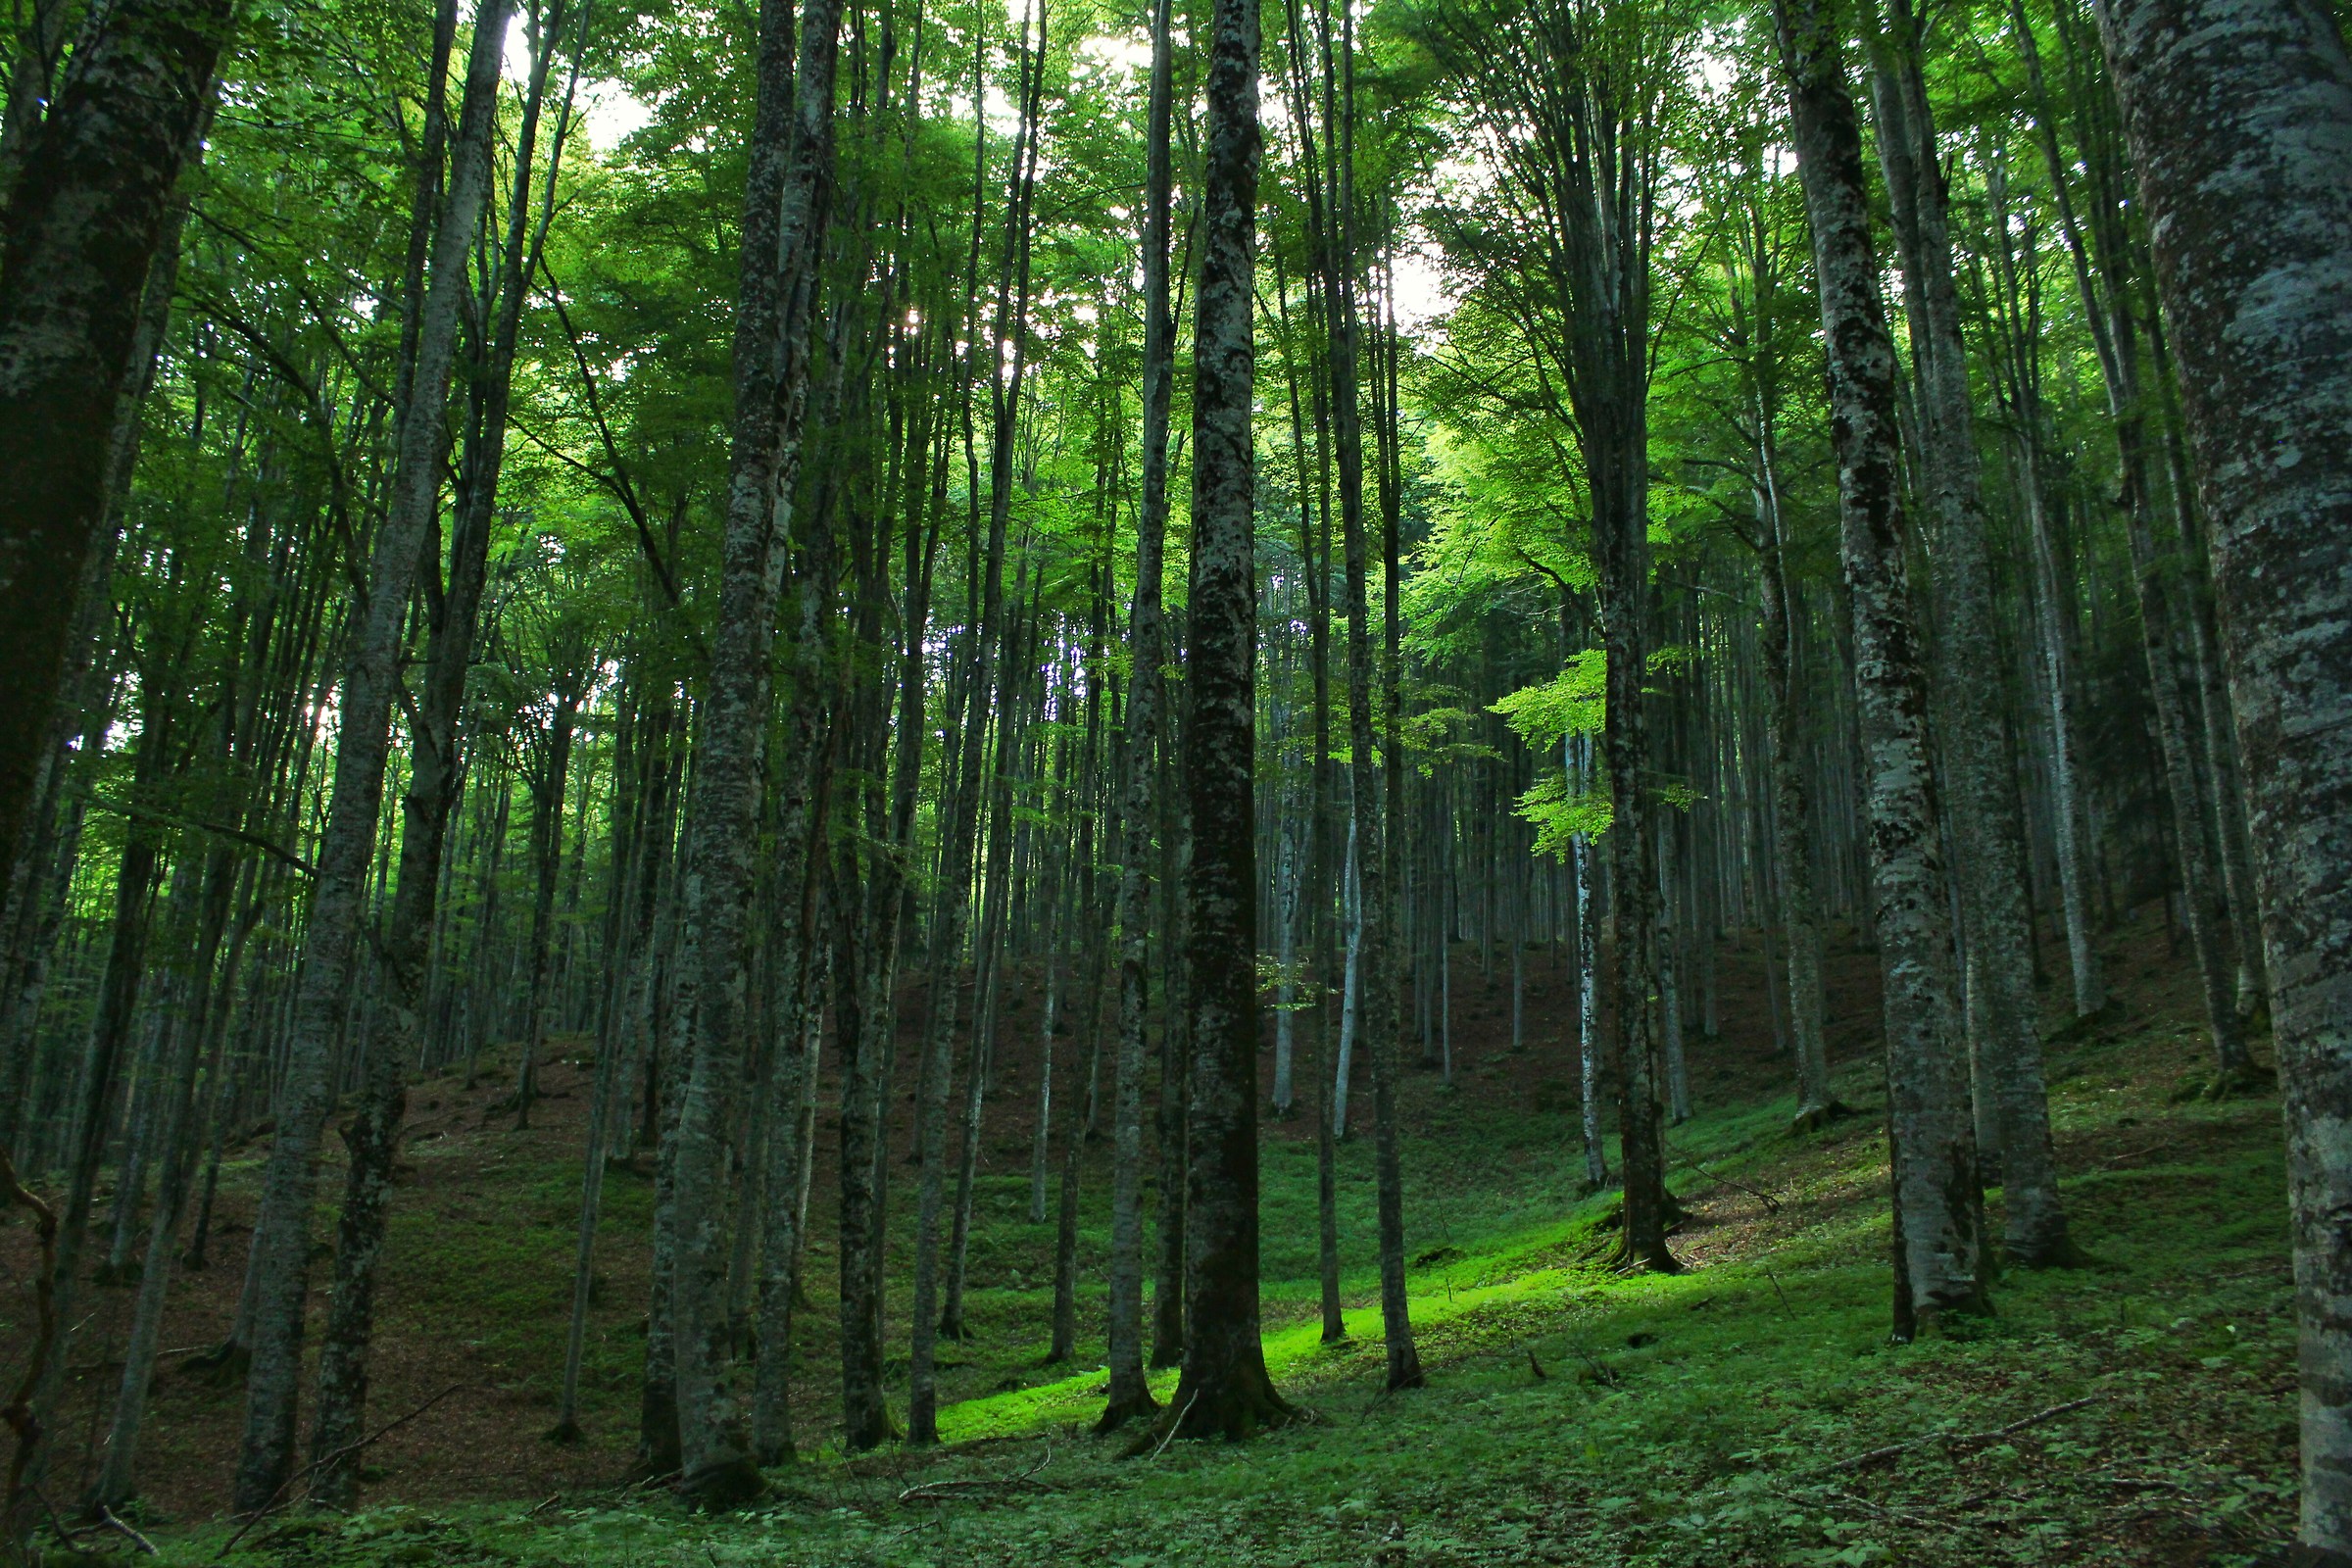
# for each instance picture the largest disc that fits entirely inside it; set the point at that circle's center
(2136, 1412)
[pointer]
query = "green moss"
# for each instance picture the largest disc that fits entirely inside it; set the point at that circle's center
(1573, 1415)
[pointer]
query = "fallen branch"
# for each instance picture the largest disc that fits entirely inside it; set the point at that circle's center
(106, 1516)
(1177, 1424)
(942, 1491)
(1964, 1440)
(1772, 1205)
(278, 1498)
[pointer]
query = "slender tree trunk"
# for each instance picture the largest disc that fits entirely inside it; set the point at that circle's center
(1129, 1396)
(1997, 932)
(192, 1034)
(1940, 1215)
(281, 1233)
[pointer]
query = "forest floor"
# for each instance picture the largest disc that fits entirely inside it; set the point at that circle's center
(1749, 1410)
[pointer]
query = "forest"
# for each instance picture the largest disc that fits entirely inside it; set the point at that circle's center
(1407, 782)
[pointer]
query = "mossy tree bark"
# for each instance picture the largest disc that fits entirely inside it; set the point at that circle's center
(1938, 1208)
(2240, 114)
(1223, 1388)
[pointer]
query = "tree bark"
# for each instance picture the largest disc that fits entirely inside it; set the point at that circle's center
(1940, 1217)
(1223, 1387)
(90, 205)
(2240, 114)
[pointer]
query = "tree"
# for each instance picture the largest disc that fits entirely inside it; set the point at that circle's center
(78, 237)
(1224, 1388)
(2239, 115)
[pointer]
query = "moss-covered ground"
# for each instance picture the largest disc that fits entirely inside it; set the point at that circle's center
(1749, 1410)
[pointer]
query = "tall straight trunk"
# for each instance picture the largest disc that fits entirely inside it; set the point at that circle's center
(1380, 852)
(2018, 291)
(865, 1416)
(785, 216)
(1581, 141)
(1175, 1057)
(1938, 1242)
(2115, 336)
(1351, 910)
(1129, 1396)
(90, 205)
(1223, 1387)
(637, 893)
(1041, 1140)
(101, 1066)
(1997, 931)
(547, 843)
(1791, 814)
(990, 681)
(192, 1034)
(282, 1232)
(2240, 112)
(1590, 1088)
(434, 779)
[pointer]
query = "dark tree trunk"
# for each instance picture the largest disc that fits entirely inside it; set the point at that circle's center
(82, 226)
(1224, 1388)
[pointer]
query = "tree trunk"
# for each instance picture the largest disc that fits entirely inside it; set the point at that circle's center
(1129, 1396)
(2238, 113)
(90, 205)
(281, 1235)
(1997, 932)
(785, 218)
(1940, 1217)
(1223, 1387)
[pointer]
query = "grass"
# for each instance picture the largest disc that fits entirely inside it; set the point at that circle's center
(1573, 1415)
(1720, 1416)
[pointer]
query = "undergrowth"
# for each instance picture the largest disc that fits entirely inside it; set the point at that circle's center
(2134, 1411)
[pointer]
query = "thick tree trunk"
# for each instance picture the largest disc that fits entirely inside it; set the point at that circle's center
(89, 206)
(1939, 1213)
(1223, 1387)
(785, 217)
(2240, 112)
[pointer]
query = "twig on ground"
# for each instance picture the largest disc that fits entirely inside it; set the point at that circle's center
(278, 1498)
(1783, 1295)
(1772, 1205)
(942, 1491)
(1960, 1440)
(1177, 1424)
(1918, 1521)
